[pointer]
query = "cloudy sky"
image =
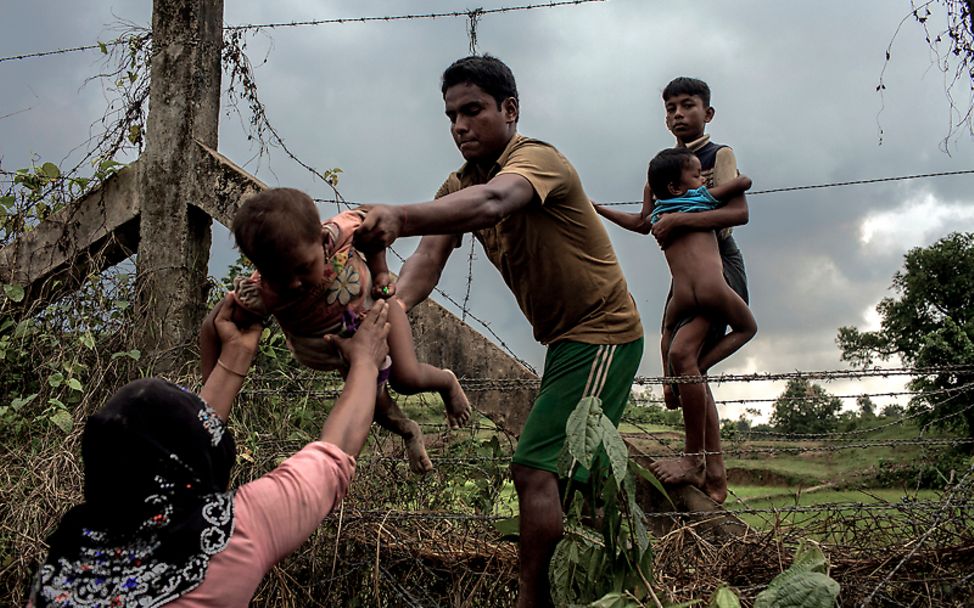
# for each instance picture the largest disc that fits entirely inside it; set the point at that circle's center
(794, 87)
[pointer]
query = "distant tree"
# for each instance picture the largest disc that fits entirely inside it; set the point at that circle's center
(928, 323)
(867, 409)
(805, 408)
(893, 410)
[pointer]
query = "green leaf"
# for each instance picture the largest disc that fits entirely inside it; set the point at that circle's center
(615, 449)
(614, 599)
(7, 201)
(102, 47)
(133, 354)
(724, 598)
(648, 476)
(805, 584)
(88, 340)
(584, 430)
(50, 170)
(14, 292)
(56, 379)
(22, 329)
(62, 420)
(566, 464)
(135, 134)
(19, 402)
(509, 528)
(74, 384)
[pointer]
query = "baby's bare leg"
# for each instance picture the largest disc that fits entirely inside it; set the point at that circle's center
(408, 376)
(724, 303)
(390, 417)
(699, 286)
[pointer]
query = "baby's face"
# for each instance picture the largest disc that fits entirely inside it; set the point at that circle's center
(295, 269)
(692, 175)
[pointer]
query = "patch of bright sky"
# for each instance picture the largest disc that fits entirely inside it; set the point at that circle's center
(916, 222)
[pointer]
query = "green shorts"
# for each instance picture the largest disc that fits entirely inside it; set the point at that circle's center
(573, 370)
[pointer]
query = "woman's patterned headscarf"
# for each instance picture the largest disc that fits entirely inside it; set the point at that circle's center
(157, 464)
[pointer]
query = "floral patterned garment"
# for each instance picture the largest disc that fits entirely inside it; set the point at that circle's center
(335, 307)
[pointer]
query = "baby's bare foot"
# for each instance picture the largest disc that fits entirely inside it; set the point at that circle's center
(419, 460)
(456, 402)
(675, 471)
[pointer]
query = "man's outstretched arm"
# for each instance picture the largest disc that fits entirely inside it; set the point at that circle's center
(421, 271)
(469, 209)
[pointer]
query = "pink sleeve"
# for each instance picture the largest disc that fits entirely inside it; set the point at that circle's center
(284, 507)
(339, 229)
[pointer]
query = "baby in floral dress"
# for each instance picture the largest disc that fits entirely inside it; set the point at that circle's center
(315, 284)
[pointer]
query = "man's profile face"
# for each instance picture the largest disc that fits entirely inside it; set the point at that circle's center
(480, 129)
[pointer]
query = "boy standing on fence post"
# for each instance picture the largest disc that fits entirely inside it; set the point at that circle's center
(525, 203)
(686, 103)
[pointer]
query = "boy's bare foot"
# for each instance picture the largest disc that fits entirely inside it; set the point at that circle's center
(456, 402)
(715, 481)
(676, 471)
(419, 460)
(671, 397)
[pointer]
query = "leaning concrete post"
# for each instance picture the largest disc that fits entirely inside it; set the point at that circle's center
(184, 107)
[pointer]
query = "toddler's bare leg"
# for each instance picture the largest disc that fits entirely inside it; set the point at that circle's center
(409, 376)
(389, 416)
(722, 302)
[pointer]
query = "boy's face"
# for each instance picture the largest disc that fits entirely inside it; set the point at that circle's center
(294, 270)
(480, 129)
(687, 117)
(692, 176)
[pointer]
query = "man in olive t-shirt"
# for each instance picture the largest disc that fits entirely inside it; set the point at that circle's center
(525, 203)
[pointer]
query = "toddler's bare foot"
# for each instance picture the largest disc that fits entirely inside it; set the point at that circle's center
(419, 460)
(456, 402)
(676, 471)
(715, 481)
(671, 398)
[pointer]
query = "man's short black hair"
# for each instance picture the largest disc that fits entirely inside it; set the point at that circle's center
(489, 73)
(665, 169)
(688, 86)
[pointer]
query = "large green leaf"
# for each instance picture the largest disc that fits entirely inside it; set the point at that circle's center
(615, 449)
(805, 584)
(724, 598)
(62, 420)
(648, 476)
(584, 430)
(14, 292)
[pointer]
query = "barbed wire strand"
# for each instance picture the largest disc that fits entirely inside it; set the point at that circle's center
(255, 27)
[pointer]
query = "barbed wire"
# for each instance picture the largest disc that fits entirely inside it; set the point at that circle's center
(482, 384)
(731, 452)
(857, 182)
(945, 507)
(256, 27)
(409, 17)
(905, 506)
